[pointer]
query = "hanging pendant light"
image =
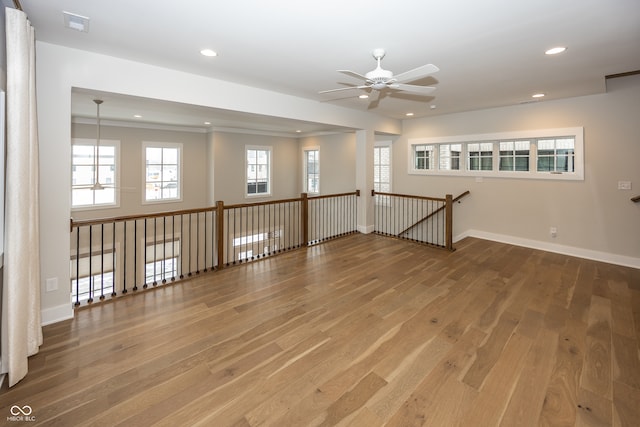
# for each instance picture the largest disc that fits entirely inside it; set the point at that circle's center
(96, 161)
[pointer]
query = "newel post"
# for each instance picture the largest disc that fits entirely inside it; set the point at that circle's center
(304, 220)
(449, 221)
(220, 232)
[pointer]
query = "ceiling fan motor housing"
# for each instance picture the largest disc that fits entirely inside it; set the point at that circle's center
(379, 77)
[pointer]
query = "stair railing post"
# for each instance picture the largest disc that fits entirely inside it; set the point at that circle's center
(220, 232)
(449, 221)
(304, 220)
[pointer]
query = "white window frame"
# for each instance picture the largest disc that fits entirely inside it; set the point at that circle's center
(116, 184)
(149, 144)
(385, 144)
(577, 133)
(305, 165)
(269, 150)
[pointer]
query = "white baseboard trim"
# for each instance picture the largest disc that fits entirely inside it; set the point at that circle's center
(622, 260)
(365, 229)
(56, 314)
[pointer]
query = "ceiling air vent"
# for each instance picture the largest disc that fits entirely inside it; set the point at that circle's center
(76, 22)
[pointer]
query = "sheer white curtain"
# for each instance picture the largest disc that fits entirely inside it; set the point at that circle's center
(21, 330)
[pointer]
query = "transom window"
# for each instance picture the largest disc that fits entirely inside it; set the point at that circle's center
(480, 156)
(514, 155)
(258, 161)
(423, 156)
(450, 156)
(162, 171)
(538, 154)
(94, 173)
(556, 155)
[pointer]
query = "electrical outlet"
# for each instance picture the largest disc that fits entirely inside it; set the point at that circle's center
(553, 231)
(51, 284)
(624, 185)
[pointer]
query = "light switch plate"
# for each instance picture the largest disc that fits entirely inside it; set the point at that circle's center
(624, 185)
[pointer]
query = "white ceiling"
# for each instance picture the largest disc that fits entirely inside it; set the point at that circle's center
(490, 53)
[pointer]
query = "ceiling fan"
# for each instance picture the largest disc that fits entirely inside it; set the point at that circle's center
(380, 79)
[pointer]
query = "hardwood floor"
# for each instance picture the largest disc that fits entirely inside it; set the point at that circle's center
(360, 331)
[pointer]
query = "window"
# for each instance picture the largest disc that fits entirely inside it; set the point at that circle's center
(450, 156)
(423, 157)
(537, 154)
(514, 155)
(162, 171)
(91, 164)
(480, 156)
(258, 171)
(382, 168)
(312, 170)
(556, 155)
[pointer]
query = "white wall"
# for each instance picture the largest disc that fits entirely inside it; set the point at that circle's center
(594, 219)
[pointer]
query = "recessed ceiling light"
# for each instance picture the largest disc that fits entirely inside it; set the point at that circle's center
(363, 96)
(409, 114)
(207, 123)
(208, 52)
(137, 116)
(537, 95)
(555, 50)
(298, 131)
(433, 107)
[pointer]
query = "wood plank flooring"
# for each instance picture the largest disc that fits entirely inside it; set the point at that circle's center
(360, 331)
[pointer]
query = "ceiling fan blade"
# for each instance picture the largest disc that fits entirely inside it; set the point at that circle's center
(344, 88)
(423, 90)
(416, 73)
(376, 101)
(353, 74)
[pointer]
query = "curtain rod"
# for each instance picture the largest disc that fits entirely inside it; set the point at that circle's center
(17, 4)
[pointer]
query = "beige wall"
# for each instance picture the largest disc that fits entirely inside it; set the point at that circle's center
(337, 162)
(194, 174)
(592, 216)
(214, 166)
(229, 166)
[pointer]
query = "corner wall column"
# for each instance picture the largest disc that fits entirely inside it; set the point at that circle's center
(365, 141)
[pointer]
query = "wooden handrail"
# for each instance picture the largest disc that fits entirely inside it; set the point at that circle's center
(409, 196)
(97, 221)
(635, 199)
(433, 213)
(357, 193)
